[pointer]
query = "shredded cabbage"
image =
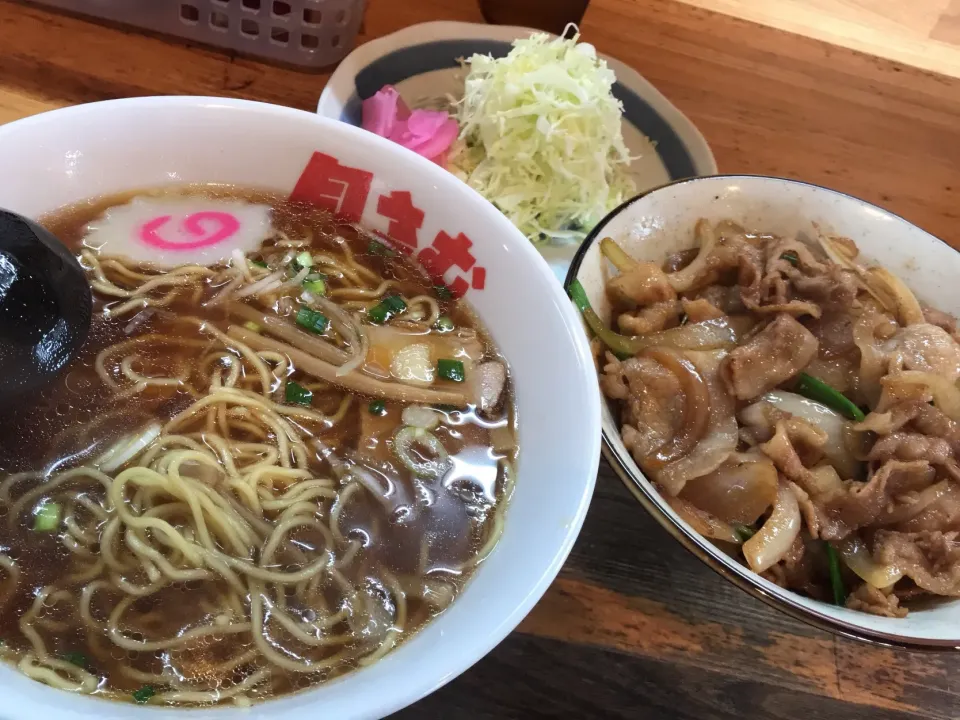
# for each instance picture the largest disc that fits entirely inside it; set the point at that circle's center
(541, 138)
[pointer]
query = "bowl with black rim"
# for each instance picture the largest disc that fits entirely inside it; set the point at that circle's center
(655, 224)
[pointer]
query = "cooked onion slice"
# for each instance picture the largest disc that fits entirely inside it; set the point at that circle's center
(264, 284)
(420, 416)
(721, 437)
(820, 416)
(408, 438)
(773, 540)
(706, 457)
(857, 556)
(696, 412)
(707, 335)
(128, 448)
(897, 297)
(684, 279)
(739, 491)
(946, 395)
(702, 521)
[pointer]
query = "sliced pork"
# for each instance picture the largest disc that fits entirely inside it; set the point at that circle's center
(773, 356)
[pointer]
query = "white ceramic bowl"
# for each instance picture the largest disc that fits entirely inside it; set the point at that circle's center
(660, 222)
(73, 154)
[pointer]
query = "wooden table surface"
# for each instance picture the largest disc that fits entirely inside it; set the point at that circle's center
(634, 627)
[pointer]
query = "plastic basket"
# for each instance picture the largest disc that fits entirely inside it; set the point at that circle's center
(307, 33)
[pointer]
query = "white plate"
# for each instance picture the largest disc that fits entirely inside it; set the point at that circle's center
(422, 61)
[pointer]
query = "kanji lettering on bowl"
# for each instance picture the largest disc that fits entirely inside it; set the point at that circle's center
(458, 288)
(446, 252)
(339, 188)
(405, 219)
(344, 190)
(479, 278)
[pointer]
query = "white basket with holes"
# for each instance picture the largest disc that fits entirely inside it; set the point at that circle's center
(306, 33)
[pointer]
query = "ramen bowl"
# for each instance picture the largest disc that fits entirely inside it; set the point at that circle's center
(71, 155)
(656, 224)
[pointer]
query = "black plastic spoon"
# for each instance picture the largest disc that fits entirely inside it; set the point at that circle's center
(45, 305)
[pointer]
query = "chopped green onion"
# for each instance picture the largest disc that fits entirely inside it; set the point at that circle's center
(451, 370)
(386, 309)
(300, 262)
(395, 303)
(377, 407)
(579, 296)
(316, 283)
(252, 326)
(259, 263)
(378, 314)
(836, 581)
(47, 517)
(304, 260)
(317, 287)
(144, 694)
(791, 257)
(818, 390)
(378, 248)
(312, 320)
(621, 345)
(443, 292)
(78, 659)
(444, 324)
(744, 532)
(297, 394)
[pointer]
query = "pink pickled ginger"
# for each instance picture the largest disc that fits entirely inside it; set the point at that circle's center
(429, 133)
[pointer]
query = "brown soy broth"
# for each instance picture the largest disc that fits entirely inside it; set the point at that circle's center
(432, 527)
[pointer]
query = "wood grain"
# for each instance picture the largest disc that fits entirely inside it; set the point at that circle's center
(49, 60)
(947, 27)
(531, 677)
(778, 104)
(922, 33)
(635, 626)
